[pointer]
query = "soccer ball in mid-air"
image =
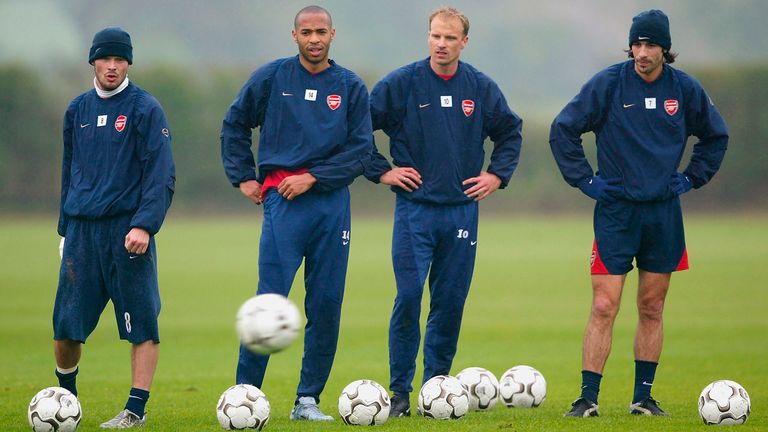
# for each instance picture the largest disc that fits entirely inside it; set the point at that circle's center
(522, 387)
(54, 409)
(243, 406)
(267, 323)
(443, 397)
(724, 402)
(364, 402)
(482, 386)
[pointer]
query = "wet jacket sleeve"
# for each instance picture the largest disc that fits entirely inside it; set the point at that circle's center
(66, 164)
(158, 172)
(350, 158)
(705, 122)
(505, 130)
(387, 110)
(584, 113)
(246, 113)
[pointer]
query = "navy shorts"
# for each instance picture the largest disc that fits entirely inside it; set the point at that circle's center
(96, 268)
(650, 233)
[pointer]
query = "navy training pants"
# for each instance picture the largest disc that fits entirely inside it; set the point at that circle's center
(439, 240)
(314, 227)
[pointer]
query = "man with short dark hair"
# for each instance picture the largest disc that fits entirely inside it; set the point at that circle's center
(642, 112)
(437, 113)
(315, 138)
(118, 179)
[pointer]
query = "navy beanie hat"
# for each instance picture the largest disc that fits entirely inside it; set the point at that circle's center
(651, 26)
(112, 41)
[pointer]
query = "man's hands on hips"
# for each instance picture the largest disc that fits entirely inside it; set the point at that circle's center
(252, 190)
(484, 185)
(293, 186)
(137, 241)
(601, 190)
(680, 183)
(405, 177)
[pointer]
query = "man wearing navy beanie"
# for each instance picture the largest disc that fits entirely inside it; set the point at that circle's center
(112, 41)
(117, 183)
(651, 26)
(642, 112)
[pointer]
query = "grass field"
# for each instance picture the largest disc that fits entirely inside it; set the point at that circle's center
(528, 305)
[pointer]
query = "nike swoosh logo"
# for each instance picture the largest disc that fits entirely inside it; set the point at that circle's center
(345, 243)
(425, 105)
(628, 105)
(287, 94)
(473, 242)
(647, 383)
(643, 38)
(132, 256)
(84, 125)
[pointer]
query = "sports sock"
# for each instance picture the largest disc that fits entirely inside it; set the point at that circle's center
(68, 378)
(590, 385)
(137, 400)
(645, 371)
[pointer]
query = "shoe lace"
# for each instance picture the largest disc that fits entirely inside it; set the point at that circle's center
(129, 418)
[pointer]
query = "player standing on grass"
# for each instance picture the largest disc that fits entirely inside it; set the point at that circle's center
(437, 113)
(118, 179)
(642, 111)
(315, 137)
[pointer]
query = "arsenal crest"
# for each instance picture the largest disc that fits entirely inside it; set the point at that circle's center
(670, 106)
(120, 123)
(468, 107)
(334, 101)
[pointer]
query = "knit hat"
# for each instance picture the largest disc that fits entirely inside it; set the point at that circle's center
(112, 41)
(651, 26)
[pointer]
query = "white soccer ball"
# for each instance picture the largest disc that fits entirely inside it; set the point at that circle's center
(522, 387)
(443, 397)
(724, 402)
(243, 406)
(482, 386)
(268, 323)
(364, 402)
(54, 409)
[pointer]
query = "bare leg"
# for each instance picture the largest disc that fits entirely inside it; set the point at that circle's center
(67, 353)
(144, 363)
(651, 293)
(606, 299)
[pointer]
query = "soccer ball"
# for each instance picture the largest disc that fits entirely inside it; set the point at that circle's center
(267, 323)
(54, 409)
(482, 386)
(364, 402)
(443, 397)
(522, 387)
(243, 406)
(724, 402)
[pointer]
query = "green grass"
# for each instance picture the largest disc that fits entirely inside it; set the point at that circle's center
(528, 305)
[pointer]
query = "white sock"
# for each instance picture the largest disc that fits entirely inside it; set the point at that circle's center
(307, 400)
(66, 371)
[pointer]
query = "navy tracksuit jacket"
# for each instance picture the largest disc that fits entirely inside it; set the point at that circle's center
(641, 130)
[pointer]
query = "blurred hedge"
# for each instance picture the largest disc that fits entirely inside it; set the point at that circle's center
(32, 105)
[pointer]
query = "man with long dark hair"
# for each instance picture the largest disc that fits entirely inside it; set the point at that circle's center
(642, 112)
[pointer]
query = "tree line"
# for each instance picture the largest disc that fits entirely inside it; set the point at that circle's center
(32, 106)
